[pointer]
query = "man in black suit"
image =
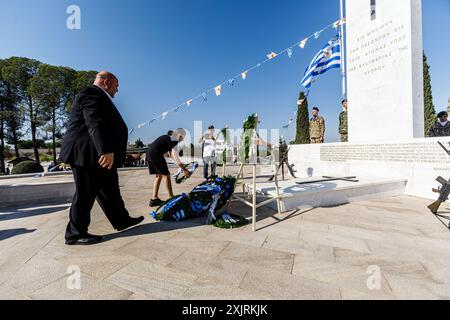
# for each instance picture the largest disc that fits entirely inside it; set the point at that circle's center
(95, 146)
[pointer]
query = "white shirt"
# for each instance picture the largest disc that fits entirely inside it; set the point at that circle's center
(110, 98)
(209, 148)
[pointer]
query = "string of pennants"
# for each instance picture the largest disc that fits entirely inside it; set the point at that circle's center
(231, 82)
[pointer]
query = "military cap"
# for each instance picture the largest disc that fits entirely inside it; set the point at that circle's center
(442, 114)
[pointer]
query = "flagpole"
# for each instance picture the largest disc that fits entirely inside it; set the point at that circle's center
(343, 64)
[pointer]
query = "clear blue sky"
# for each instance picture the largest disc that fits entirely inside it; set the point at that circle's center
(165, 51)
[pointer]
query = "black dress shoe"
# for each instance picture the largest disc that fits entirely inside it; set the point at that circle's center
(156, 203)
(86, 240)
(131, 223)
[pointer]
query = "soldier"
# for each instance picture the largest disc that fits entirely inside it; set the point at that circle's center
(317, 127)
(343, 122)
(442, 126)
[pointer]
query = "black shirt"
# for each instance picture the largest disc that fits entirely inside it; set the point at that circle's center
(161, 146)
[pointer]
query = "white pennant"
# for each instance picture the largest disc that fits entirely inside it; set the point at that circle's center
(271, 55)
(218, 90)
(164, 115)
(244, 75)
(303, 43)
(336, 24)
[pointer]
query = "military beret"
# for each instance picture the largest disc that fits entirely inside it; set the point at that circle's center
(442, 114)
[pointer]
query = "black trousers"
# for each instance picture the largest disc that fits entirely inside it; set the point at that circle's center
(91, 184)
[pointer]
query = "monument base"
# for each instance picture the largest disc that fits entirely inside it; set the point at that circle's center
(329, 193)
(417, 161)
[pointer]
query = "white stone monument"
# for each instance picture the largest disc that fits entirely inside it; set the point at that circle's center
(385, 70)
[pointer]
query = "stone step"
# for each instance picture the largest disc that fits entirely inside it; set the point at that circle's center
(329, 193)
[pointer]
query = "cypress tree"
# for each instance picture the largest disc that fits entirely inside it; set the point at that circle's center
(430, 110)
(302, 136)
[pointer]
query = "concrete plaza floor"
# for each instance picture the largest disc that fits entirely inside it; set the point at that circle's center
(390, 248)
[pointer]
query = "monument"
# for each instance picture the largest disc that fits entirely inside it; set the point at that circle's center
(385, 70)
(386, 106)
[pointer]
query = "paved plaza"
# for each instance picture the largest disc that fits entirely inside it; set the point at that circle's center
(324, 253)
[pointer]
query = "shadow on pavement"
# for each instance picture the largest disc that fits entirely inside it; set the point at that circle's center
(26, 212)
(155, 227)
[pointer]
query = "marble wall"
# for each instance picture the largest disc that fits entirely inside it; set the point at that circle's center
(420, 161)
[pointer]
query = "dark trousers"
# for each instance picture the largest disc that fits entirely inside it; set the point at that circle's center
(206, 162)
(91, 184)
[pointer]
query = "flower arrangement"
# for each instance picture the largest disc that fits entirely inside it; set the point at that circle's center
(179, 178)
(204, 199)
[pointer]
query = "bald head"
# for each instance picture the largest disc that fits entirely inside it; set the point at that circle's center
(108, 82)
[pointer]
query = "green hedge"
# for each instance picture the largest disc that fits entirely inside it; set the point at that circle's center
(27, 167)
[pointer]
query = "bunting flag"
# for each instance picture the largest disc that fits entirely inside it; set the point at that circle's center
(218, 90)
(337, 24)
(141, 125)
(231, 82)
(317, 34)
(329, 57)
(271, 55)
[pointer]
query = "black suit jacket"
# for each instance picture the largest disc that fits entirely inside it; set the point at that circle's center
(95, 128)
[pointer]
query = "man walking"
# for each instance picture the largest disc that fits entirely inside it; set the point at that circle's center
(95, 146)
(317, 127)
(343, 122)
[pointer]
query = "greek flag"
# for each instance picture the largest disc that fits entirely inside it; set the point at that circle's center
(329, 57)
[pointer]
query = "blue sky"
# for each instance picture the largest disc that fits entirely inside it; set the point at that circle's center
(166, 51)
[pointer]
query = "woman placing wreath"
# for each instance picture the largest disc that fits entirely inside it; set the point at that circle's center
(157, 163)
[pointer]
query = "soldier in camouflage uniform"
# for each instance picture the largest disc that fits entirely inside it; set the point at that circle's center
(317, 127)
(442, 126)
(343, 122)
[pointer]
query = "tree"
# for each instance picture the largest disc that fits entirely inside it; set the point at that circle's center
(302, 136)
(82, 79)
(430, 110)
(2, 121)
(19, 72)
(51, 89)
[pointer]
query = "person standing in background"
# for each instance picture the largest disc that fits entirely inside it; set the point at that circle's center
(208, 141)
(317, 127)
(442, 126)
